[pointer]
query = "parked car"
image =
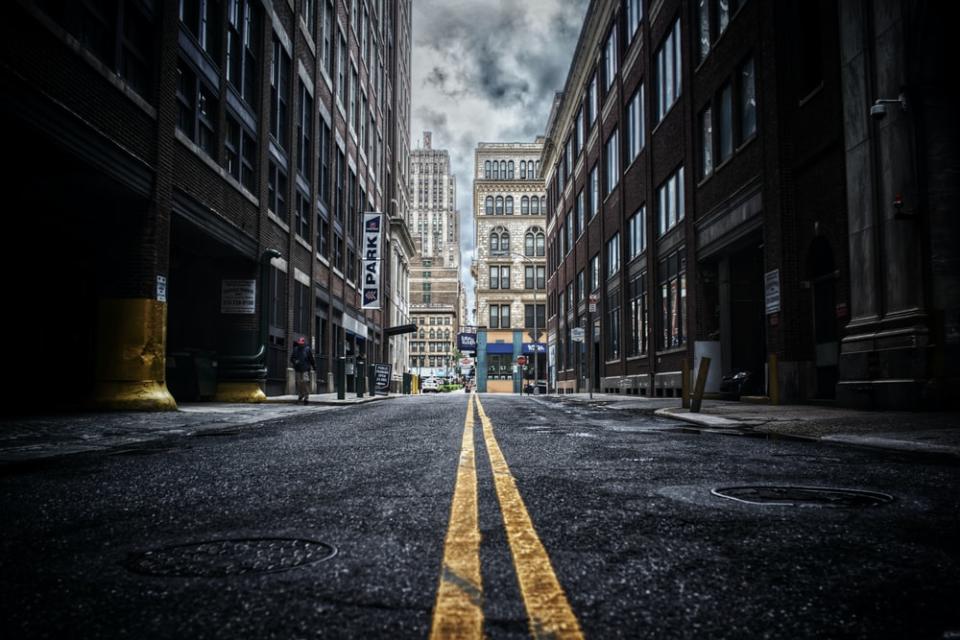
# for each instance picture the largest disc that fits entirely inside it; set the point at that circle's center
(430, 384)
(529, 388)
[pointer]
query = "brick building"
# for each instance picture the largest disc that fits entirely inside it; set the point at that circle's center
(199, 171)
(698, 171)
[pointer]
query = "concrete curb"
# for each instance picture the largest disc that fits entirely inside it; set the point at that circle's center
(700, 419)
(346, 402)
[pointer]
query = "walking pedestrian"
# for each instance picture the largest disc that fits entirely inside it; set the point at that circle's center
(303, 361)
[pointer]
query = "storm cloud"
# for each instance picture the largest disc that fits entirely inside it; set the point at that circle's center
(487, 72)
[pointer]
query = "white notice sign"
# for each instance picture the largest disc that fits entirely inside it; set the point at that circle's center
(238, 296)
(771, 286)
(161, 288)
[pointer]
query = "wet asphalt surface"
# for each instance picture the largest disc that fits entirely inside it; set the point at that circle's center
(332, 524)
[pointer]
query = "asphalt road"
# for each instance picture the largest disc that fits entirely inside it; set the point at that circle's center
(334, 524)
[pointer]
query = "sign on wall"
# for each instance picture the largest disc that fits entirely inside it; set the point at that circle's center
(238, 296)
(372, 226)
(467, 342)
(771, 286)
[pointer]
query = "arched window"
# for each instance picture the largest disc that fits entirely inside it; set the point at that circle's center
(543, 205)
(496, 170)
(524, 203)
(535, 206)
(499, 205)
(538, 170)
(499, 241)
(503, 169)
(486, 169)
(433, 334)
(488, 206)
(523, 169)
(534, 242)
(509, 205)
(510, 170)
(446, 334)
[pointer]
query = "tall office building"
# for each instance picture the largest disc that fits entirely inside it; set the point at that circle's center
(509, 267)
(435, 286)
(200, 171)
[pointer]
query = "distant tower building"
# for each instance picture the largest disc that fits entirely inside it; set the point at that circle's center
(510, 263)
(435, 290)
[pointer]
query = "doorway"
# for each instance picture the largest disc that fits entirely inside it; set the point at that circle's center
(823, 282)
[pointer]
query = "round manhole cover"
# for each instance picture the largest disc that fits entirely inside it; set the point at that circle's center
(223, 558)
(803, 496)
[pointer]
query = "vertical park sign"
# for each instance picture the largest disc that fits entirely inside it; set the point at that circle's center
(372, 239)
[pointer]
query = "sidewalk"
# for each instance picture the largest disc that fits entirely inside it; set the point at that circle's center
(37, 437)
(929, 432)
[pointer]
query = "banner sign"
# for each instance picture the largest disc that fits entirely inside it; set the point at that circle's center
(467, 342)
(382, 373)
(535, 347)
(372, 223)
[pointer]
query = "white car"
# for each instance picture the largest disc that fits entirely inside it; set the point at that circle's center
(430, 384)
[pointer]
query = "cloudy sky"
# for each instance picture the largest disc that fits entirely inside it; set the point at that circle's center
(486, 71)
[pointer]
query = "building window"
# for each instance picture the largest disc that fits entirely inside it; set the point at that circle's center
(305, 134)
(668, 72)
(342, 70)
(500, 366)
(278, 299)
(671, 274)
(301, 308)
(323, 236)
(613, 161)
(499, 205)
(613, 325)
(639, 331)
(706, 142)
(277, 191)
(279, 93)
(196, 109)
(524, 202)
(637, 228)
(634, 16)
(725, 122)
(635, 136)
(531, 321)
(748, 101)
(523, 169)
(580, 206)
(581, 286)
(613, 255)
(486, 170)
(568, 231)
(510, 170)
(595, 272)
(488, 206)
(670, 201)
(508, 208)
(301, 213)
(610, 58)
(535, 208)
(499, 241)
(592, 102)
(326, 52)
(594, 191)
(243, 47)
(323, 188)
(240, 154)
(713, 16)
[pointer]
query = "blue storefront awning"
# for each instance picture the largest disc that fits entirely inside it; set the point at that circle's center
(500, 347)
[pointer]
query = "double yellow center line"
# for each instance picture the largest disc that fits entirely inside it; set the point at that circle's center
(458, 612)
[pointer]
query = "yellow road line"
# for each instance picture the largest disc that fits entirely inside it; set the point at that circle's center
(547, 606)
(458, 612)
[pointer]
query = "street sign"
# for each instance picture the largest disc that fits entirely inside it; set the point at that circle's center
(521, 360)
(382, 374)
(577, 334)
(535, 335)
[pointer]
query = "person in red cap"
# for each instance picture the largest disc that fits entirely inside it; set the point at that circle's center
(303, 362)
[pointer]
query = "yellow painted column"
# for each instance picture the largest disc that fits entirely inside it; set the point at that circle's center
(131, 355)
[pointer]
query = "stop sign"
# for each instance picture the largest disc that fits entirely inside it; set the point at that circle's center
(521, 360)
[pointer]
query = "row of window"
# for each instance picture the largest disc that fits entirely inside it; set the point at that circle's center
(669, 314)
(504, 170)
(535, 277)
(417, 346)
(533, 242)
(534, 316)
(529, 206)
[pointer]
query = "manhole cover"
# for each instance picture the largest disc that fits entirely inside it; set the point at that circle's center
(803, 496)
(223, 558)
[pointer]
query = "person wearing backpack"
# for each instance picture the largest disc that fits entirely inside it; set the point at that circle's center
(303, 362)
